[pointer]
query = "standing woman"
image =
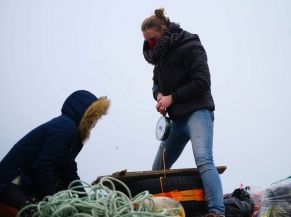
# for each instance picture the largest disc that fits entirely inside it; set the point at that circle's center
(181, 87)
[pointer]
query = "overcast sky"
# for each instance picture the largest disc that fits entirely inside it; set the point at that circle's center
(48, 49)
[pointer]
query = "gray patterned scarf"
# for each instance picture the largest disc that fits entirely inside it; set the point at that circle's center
(156, 54)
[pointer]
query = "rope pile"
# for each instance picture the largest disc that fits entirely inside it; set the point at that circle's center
(100, 200)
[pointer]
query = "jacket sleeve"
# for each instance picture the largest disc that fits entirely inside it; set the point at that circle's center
(53, 155)
(197, 69)
(71, 170)
(155, 89)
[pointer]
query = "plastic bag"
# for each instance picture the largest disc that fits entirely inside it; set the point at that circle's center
(169, 205)
(276, 201)
(238, 204)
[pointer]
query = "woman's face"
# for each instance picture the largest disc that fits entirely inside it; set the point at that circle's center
(152, 35)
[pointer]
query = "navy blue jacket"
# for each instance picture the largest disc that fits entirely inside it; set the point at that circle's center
(47, 153)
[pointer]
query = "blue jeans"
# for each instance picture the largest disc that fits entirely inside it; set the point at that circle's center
(197, 127)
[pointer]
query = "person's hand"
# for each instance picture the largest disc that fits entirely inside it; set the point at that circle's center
(163, 103)
(159, 96)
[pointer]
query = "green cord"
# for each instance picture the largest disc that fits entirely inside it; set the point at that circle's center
(100, 200)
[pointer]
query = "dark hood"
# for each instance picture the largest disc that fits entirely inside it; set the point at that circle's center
(77, 103)
(183, 37)
(85, 109)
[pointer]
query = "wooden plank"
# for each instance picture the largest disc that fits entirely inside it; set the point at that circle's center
(142, 175)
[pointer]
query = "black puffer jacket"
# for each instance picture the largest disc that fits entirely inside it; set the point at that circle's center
(184, 73)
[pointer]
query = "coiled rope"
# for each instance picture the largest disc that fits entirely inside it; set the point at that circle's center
(100, 200)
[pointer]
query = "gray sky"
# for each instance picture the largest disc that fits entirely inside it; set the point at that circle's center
(51, 48)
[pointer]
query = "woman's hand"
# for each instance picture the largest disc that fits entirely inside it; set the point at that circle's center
(163, 103)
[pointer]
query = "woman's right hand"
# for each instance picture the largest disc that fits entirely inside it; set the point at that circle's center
(163, 103)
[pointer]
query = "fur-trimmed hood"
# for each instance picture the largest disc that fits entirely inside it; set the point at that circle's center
(85, 109)
(93, 113)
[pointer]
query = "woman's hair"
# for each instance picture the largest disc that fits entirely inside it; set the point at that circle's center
(155, 21)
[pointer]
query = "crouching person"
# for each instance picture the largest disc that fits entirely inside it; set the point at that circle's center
(43, 161)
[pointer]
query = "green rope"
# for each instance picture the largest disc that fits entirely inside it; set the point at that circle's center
(100, 200)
